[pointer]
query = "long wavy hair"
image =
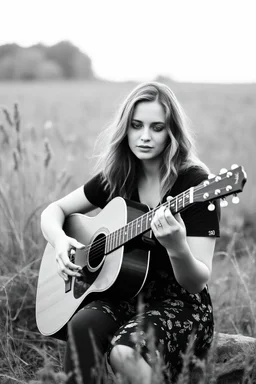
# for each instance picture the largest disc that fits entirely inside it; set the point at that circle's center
(117, 163)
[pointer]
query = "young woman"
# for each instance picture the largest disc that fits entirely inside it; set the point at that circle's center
(149, 157)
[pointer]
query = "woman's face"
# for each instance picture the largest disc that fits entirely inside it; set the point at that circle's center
(147, 134)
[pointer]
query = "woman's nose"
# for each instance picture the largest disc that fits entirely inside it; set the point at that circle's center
(145, 135)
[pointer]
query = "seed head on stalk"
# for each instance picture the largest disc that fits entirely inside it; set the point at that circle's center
(15, 155)
(48, 152)
(16, 116)
(7, 115)
(5, 134)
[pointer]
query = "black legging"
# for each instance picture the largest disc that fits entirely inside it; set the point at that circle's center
(102, 327)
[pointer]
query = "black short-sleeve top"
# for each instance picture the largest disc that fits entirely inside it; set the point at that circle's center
(199, 221)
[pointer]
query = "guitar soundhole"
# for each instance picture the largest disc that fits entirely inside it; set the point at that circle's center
(97, 251)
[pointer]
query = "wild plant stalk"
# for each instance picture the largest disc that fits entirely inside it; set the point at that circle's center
(20, 253)
(237, 268)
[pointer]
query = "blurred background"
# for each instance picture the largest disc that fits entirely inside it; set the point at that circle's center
(65, 67)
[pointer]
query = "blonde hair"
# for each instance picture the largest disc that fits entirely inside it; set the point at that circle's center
(119, 166)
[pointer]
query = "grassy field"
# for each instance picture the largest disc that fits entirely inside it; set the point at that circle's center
(46, 143)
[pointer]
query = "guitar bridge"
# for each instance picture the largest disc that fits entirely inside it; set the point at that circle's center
(71, 256)
(68, 284)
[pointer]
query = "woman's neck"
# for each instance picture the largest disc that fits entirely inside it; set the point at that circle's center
(149, 170)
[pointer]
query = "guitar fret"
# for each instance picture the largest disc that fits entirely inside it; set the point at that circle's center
(137, 227)
(123, 231)
(128, 235)
(141, 224)
(118, 238)
(114, 239)
(131, 229)
(134, 228)
(110, 241)
(107, 244)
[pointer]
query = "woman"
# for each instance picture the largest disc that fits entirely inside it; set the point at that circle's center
(148, 157)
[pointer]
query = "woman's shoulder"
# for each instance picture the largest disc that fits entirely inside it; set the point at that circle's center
(189, 177)
(95, 190)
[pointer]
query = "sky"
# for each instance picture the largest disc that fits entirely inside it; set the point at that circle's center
(187, 40)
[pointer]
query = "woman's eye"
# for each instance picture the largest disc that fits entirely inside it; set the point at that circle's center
(158, 127)
(136, 125)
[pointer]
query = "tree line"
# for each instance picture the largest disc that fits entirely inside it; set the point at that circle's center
(60, 61)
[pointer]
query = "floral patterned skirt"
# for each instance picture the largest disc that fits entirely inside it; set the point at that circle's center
(168, 316)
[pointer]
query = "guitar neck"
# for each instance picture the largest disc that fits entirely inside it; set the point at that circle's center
(143, 223)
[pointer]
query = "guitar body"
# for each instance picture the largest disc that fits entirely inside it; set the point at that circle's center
(122, 272)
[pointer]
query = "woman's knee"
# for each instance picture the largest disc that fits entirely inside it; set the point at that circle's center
(123, 360)
(121, 354)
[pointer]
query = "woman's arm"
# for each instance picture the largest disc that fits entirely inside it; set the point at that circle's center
(52, 219)
(191, 257)
(192, 264)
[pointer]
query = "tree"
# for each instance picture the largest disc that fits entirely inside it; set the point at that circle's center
(70, 59)
(43, 62)
(8, 50)
(48, 69)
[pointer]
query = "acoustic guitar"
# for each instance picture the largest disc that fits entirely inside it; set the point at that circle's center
(117, 253)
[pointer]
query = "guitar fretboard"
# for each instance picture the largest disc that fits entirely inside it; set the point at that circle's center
(142, 224)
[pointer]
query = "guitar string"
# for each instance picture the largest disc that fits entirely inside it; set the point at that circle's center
(97, 245)
(101, 242)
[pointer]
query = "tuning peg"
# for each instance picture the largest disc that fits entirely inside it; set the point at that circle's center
(235, 199)
(211, 207)
(223, 203)
(211, 176)
(223, 170)
(234, 166)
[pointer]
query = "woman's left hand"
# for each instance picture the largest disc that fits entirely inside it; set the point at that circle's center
(170, 231)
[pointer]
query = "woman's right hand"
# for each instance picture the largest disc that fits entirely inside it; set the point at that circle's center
(64, 246)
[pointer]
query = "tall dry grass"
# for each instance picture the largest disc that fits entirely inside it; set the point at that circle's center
(40, 163)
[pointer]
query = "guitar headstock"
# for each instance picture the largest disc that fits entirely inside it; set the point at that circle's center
(219, 186)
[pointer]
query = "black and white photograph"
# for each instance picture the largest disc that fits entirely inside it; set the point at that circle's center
(127, 204)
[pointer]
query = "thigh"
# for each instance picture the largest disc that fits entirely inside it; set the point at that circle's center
(161, 334)
(101, 317)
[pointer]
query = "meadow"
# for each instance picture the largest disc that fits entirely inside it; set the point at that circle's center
(47, 134)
